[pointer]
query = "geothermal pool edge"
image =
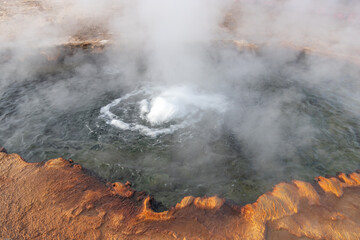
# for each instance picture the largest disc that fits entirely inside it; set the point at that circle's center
(58, 199)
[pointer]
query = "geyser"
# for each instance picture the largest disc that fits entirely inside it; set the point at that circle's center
(162, 110)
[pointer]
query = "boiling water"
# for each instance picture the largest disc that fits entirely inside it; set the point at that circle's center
(153, 112)
(174, 140)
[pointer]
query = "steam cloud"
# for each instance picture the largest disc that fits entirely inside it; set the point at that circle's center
(179, 44)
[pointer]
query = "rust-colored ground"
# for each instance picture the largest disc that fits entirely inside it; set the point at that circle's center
(57, 199)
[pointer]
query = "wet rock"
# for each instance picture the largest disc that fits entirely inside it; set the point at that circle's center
(2, 149)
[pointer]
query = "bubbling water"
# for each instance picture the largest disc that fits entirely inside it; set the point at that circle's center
(154, 111)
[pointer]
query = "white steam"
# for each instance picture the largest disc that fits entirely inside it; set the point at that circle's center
(179, 102)
(178, 106)
(172, 43)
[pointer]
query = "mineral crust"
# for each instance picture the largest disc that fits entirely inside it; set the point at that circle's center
(58, 199)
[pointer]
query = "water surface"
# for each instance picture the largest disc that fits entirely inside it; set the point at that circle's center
(235, 138)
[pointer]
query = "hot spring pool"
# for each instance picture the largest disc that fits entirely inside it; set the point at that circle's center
(234, 135)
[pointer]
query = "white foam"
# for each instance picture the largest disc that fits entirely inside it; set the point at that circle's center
(120, 124)
(183, 105)
(161, 111)
(179, 102)
(144, 108)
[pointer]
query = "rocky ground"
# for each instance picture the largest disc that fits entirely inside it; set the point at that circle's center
(58, 199)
